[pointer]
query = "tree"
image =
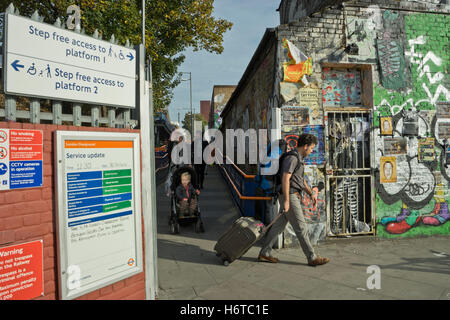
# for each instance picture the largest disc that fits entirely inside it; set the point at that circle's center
(171, 28)
(186, 123)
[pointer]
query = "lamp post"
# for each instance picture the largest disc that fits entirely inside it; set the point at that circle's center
(190, 99)
(143, 23)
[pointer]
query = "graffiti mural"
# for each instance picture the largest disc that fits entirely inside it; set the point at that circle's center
(391, 54)
(341, 87)
(360, 33)
(416, 203)
(219, 100)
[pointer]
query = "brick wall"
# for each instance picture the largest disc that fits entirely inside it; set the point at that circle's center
(205, 109)
(407, 45)
(30, 214)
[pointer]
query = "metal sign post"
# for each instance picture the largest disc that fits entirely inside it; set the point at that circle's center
(148, 178)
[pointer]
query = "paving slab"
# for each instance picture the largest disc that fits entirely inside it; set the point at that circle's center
(240, 290)
(410, 268)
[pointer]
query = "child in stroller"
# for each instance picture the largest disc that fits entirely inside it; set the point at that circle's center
(184, 200)
(185, 195)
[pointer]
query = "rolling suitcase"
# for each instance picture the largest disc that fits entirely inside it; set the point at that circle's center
(239, 238)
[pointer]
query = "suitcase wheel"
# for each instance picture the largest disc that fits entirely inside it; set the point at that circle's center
(174, 228)
(199, 228)
(226, 263)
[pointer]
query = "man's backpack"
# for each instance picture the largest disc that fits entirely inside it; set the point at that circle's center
(276, 178)
(278, 175)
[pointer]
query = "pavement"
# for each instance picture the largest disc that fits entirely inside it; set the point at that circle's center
(188, 269)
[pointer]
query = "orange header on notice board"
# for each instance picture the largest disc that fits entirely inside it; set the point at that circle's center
(97, 144)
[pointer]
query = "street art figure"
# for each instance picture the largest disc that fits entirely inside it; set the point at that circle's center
(418, 183)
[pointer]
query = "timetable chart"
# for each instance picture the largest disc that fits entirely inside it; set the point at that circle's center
(96, 192)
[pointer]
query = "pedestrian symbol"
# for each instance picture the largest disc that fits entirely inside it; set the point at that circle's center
(49, 74)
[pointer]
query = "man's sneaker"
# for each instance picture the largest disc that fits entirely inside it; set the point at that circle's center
(318, 261)
(267, 259)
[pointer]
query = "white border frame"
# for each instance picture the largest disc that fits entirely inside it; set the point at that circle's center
(61, 217)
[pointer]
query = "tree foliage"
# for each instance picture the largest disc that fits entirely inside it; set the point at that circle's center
(187, 124)
(172, 26)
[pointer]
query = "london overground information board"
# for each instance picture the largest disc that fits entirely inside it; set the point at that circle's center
(99, 216)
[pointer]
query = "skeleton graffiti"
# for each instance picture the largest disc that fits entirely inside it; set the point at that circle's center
(350, 181)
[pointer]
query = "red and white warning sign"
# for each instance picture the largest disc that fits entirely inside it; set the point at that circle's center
(21, 271)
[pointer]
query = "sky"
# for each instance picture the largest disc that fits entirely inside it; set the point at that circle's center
(250, 19)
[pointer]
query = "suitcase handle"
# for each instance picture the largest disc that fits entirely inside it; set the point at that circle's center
(273, 221)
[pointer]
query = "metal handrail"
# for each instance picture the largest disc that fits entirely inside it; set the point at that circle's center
(236, 189)
(247, 176)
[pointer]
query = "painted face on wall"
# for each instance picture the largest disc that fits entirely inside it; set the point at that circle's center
(387, 170)
(386, 126)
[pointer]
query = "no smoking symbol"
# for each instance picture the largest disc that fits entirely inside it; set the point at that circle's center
(3, 136)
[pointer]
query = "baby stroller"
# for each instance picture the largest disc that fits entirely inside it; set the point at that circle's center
(176, 216)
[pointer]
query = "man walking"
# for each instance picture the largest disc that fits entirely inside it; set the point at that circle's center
(293, 185)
